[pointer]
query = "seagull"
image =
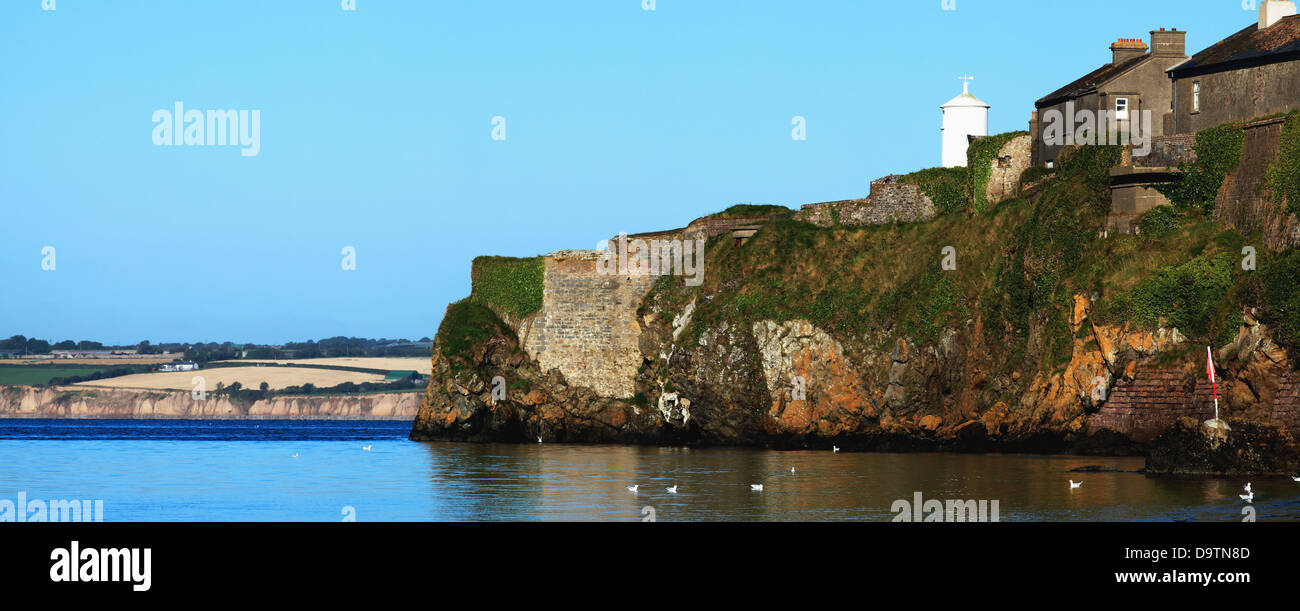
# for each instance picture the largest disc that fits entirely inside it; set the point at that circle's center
(539, 439)
(1247, 488)
(295, 455)
(632, 489)
(756, 487)
(1074, 484)
(672, 490)
(367, 448)
(835, 449)
(1249, 498)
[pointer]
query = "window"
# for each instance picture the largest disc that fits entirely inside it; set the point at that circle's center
(1196, 96)
(1121, 109)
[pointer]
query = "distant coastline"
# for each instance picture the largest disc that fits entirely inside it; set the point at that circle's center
(109, 403)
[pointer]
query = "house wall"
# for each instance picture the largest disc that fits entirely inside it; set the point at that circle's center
(1147, 87)
(1237, 95)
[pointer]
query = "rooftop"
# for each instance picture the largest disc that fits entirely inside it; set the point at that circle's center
(1249, 47)
(1089, 82)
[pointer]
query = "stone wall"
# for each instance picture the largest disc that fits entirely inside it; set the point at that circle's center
(587, 328)
(891, 200)
(1244, 202)
(1013, 159)
(1166, 152)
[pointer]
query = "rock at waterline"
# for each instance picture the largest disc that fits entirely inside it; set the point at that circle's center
(1240, 448)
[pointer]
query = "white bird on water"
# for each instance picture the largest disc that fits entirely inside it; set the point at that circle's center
(1074, 484)
(367, 448)
(1249, 498)
(756, 487)
(632, 489)
(671, 489)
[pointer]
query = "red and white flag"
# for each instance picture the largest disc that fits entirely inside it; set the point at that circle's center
(1209, 370)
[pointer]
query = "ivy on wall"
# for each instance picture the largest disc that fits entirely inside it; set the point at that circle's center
(979, 162)
(946, 187)
(1218, 152)
(1284, 178)
(956, 189)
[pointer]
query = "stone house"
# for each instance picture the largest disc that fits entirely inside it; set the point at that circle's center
(1135, 80)
(1251, 74)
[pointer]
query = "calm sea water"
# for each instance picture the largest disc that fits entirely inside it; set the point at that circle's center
(245, 471)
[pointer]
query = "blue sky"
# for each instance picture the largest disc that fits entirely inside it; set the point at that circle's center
(376, 132)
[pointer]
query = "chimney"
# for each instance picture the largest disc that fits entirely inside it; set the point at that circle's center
(1126, 49)
(1168, 43)
(1273, 11)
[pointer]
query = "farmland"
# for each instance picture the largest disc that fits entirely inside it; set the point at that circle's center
(422, 365)
(34, 375)
(249, 377)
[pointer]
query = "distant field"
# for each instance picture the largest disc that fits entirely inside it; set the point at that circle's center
(413, 363)
(35, 375)
(249, 377)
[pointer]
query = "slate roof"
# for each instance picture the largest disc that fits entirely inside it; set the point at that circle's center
(1090, 82)
(1249, 47)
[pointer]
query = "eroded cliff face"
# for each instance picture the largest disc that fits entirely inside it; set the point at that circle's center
(82, 402)
(790, 384)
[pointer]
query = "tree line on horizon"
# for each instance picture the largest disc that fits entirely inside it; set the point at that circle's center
(212, 351)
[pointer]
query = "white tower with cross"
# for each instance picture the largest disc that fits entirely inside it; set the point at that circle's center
(963, 116)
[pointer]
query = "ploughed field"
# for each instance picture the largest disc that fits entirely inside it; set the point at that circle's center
(423, 365)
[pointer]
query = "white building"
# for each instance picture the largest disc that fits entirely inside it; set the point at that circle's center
(963, 116)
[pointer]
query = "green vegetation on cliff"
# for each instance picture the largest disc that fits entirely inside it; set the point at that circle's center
(946, 187)
(1218, 152)
(750, 211)
(1284, 178)
(512, 287)
(466, 325)
(1018, 268)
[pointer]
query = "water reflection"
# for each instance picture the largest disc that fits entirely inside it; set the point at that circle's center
(588, 483)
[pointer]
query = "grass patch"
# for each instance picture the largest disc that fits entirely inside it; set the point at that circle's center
(510, 286)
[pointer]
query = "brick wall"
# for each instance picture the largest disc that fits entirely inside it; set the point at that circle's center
(1154, 400)
(587, 327)
(1286, 404)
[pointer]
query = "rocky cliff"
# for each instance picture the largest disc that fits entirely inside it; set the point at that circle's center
(1012, 329)
(80, 402)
